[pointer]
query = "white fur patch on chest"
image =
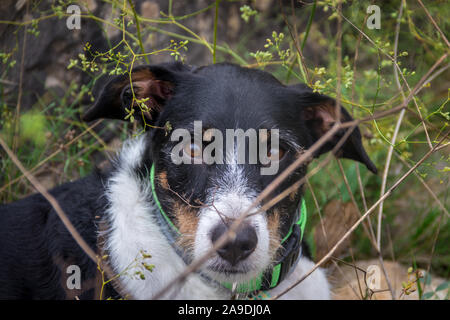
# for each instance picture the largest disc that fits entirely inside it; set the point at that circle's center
(314, 287)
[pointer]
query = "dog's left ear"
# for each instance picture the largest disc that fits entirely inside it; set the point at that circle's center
(152, 84)
(319, 114)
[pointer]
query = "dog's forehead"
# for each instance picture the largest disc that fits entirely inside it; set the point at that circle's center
(236, 82)
(235, 71)
(230, 96)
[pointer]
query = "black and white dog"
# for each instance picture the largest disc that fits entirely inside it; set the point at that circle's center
(148, 216)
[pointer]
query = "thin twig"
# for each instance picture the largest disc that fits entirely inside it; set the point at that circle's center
(434, 24)
(19, 95)
(427, 187)
(216, 19)
(41, 163)
(401, 73)
(391, 146)
(416, 89)
(369, 230)
(301, 60)
(316, 203)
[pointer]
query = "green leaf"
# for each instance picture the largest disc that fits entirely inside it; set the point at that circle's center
(443, 286)
(428, 279)
(424, 226)
(33, 126)
(427, 295)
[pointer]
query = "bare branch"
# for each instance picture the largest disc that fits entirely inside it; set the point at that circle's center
(434, 24)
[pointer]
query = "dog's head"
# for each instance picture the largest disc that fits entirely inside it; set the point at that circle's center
(233, 130)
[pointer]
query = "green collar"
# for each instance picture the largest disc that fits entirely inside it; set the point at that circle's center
(291, 244)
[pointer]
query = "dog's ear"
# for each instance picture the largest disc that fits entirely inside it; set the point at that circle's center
(319, 114)
(152, 85)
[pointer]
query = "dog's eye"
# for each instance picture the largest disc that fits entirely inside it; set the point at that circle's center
(193, 150)
(275, 154)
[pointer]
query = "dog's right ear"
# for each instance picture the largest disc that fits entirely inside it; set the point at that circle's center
(319, 114)
(153, 85)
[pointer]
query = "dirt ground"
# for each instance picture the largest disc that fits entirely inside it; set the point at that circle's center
(349, 283)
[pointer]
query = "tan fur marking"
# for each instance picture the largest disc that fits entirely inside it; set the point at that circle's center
(208, 135)
(86, 285)
(273, 224)
(187, 222)
(143, 74)
(325, 113)
(162, 179)
(293, 195)
(264, 136)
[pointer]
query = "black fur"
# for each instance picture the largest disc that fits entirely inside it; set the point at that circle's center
(33, 239)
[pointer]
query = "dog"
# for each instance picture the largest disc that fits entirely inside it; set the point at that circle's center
(148, 218)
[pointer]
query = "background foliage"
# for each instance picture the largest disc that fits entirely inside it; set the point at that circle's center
(49, 75)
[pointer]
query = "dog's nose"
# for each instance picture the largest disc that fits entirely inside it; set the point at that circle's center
(239, 248)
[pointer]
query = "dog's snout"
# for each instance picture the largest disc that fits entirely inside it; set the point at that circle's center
(238, 249)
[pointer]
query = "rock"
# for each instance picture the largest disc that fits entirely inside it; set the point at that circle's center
(233, 23)
(150, 9)
(263, 5)
(337, 217)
